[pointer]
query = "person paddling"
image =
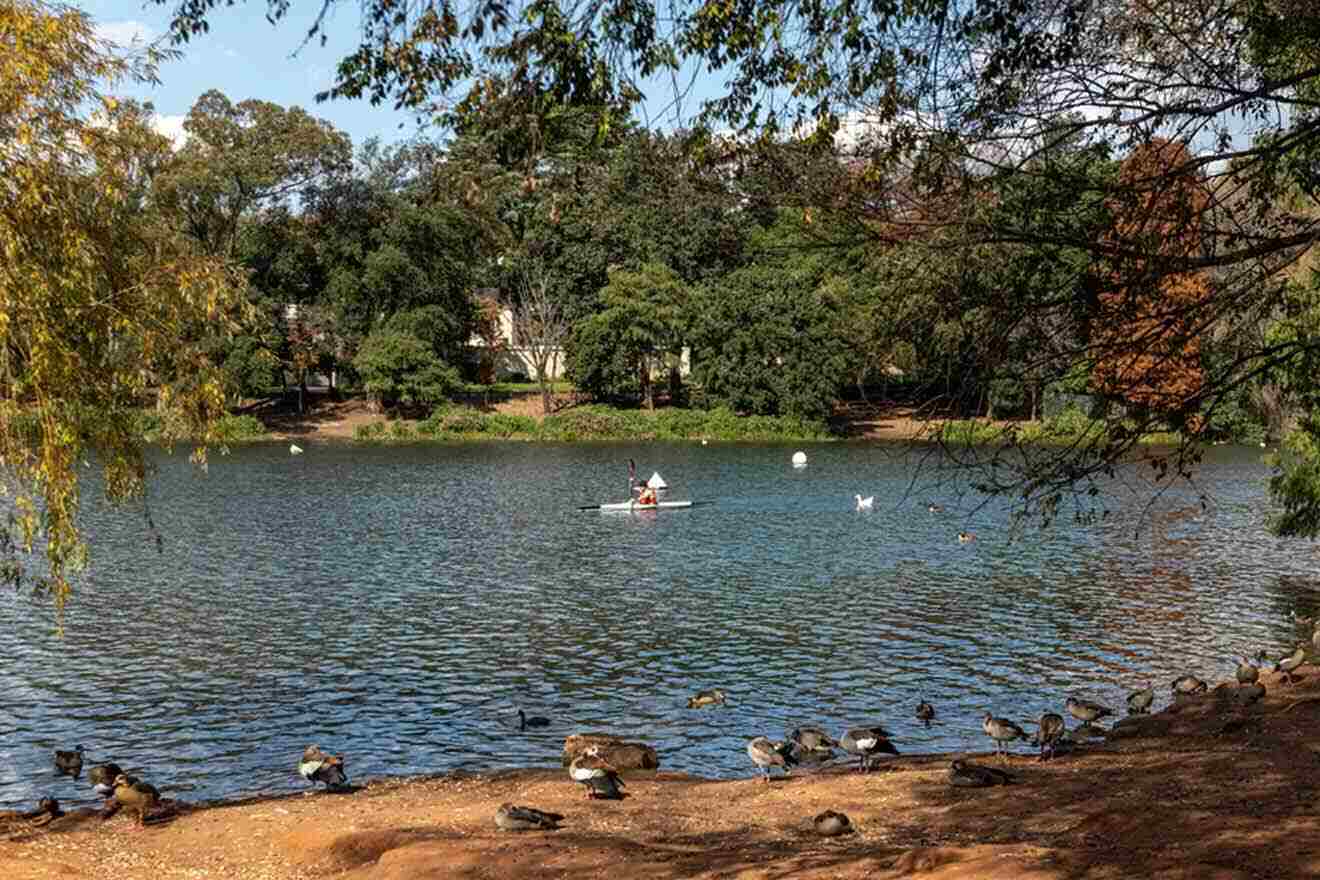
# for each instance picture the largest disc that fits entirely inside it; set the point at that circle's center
(646, 495)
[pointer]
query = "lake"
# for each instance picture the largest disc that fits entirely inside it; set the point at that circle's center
(398, 604)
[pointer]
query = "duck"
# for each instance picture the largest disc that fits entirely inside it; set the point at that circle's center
(1247, 672)
(589, 768)
(69, 763)
(1139, 702)
(765, 753)
(1050, 730)
(965, 774)
(102, 778)
(812, 739)
(925, 712)
(524, 721)
(865, 503)
(832, 824)
(136, 795)
(966, 537)
(1290, 664)
(866, 743)
(1086, 710)
(295, 449)
(316, 766)
(511, 818)
(934, 508)
(706, 698)
(1001, 730)
(1188, 684)
(47, 809)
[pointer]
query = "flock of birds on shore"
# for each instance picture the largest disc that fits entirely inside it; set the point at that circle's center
(805, 746)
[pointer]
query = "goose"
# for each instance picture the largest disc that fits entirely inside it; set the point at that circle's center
(1086, 710)
(511, 818)
(831, 824)
(766, 753)
(589, 767)
(966, 537)
(866, 743)
(865, 503)
(925, 712)
(965, 774)
(706, 698)
(135, 794)
(1139, 702)
(1050, 730)
(295, 449)
(69, 763)
(1001, 730)
(316, 766)
(525, 722)
(1188, 684)
(102, 778)
(1247, 672)
(1288, 665)
(934, 508)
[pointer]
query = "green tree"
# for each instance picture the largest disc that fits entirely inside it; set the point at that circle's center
(101, 301)
(398, 368)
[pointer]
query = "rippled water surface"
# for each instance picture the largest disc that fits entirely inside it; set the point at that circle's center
(399, 605)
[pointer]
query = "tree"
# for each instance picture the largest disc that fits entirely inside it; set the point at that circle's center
(102, 303)
(643, 325)
(397, 367)
(540, 324)
(245, 156)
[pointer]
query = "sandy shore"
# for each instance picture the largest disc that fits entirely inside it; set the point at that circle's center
(1208, 789)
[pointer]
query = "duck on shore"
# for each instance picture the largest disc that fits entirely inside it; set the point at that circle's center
(1050, 729)
(1002, 731)
(1290, 664)
(1086, 711)
(598, 775)
(1139, 702)
(1185, 685)
(831, 824)
(766, 753)
(134, 794)
(965, 774)
(102, 777)
(867, 743)
(512, 818)
(316, 766)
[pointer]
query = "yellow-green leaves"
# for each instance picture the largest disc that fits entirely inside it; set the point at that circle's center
(101, 300)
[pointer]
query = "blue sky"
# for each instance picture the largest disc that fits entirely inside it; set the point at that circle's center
(244, 56)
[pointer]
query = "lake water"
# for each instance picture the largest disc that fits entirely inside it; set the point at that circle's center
(398, 604)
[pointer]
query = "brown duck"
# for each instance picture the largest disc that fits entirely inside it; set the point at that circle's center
(136, 795)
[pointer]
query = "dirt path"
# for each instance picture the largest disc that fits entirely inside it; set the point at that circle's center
(1208, 789)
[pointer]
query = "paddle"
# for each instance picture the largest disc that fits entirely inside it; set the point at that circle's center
(644, 507)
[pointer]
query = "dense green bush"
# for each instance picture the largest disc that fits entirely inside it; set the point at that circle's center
(398, 367)
(237, 428)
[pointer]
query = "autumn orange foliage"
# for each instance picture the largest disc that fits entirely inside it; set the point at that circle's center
(1147, 342)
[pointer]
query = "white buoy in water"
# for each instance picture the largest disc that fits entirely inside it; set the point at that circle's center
(295, 449)
(799, 459)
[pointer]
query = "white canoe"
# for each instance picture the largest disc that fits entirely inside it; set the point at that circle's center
(633, 505)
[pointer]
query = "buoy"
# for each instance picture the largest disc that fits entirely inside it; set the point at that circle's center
(295, 449)
(799, 459)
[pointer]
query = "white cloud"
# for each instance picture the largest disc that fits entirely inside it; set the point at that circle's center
(128, 34)
(171, 127)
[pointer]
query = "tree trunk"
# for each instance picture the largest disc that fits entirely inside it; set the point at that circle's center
(302, 392)
(644, 374)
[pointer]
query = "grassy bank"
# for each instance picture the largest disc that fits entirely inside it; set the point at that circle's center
(589, 423)
(1065, 429)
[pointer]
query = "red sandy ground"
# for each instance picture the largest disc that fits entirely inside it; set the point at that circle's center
(1205, 790)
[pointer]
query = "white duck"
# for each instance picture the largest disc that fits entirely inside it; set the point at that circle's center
(865, 503)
